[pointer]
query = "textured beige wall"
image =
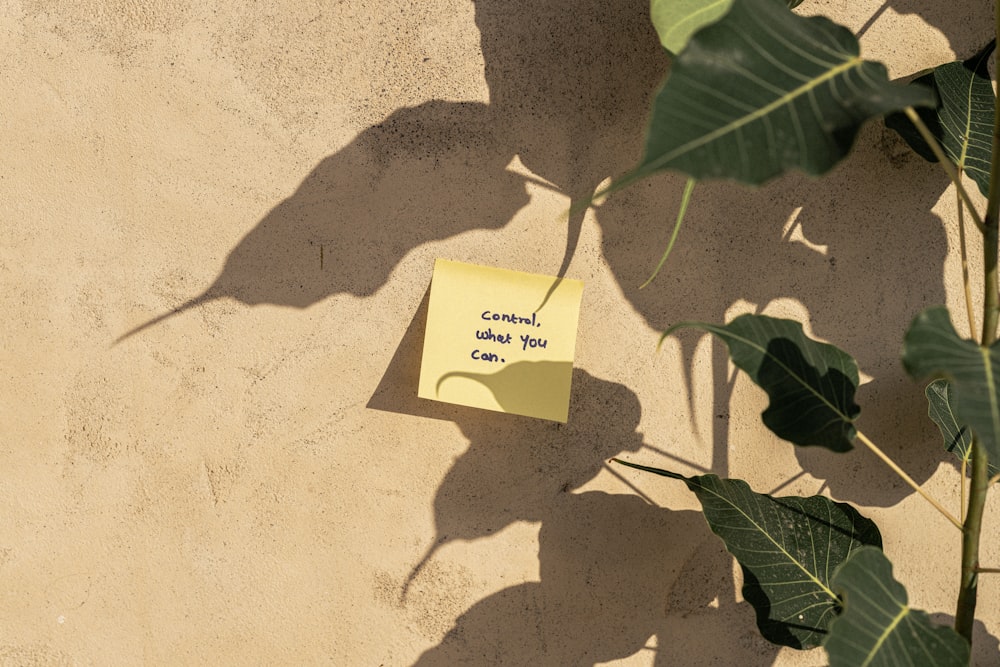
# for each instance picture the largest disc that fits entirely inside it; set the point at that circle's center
(252, 480)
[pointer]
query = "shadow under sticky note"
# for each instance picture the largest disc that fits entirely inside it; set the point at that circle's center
(500, 340)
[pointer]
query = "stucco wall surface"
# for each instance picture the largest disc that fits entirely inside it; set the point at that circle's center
(251, 479)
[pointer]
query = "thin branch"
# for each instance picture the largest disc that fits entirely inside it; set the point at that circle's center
(909, 480)
(966, 282)
(624, 480)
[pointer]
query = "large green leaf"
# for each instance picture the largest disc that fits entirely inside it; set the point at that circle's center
(762, 91)
(932, 348)
(788, 548)
(811, 385)
(957, 437)
(878, 628)
(962, 122)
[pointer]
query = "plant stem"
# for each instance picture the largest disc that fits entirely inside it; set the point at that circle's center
(961, 496)
(906, 478)
(990, 296)
(970, 313)
(965, 613)
(966, 282)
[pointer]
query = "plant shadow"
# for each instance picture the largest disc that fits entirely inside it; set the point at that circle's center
(615, 570)
(967, 24)
(564, 90)
(985, 647)
(569, 86)
(843, 248)
(568, 97)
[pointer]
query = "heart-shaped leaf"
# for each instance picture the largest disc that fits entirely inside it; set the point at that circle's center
(878, 628)
(811, 385)
(761, 91)
(962, 122)
(932, 348)
(957, 437)
(788, 548)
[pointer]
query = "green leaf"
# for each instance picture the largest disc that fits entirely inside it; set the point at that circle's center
(788, 549)
(962, 122)
(932, 349)
(811, 385)
(957, 437)
(763, 90)
(877, 627)
(676, 20)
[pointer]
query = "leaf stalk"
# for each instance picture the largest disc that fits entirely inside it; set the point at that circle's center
(966, 281)
(909, 480)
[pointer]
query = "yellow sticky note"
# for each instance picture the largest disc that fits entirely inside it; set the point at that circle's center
(500, 340)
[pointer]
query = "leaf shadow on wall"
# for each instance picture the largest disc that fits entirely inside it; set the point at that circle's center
(568, 96)
(967, 24)
(567, 80)
(569, 84)
(859, 249)
(985, 647)
(615, 569)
